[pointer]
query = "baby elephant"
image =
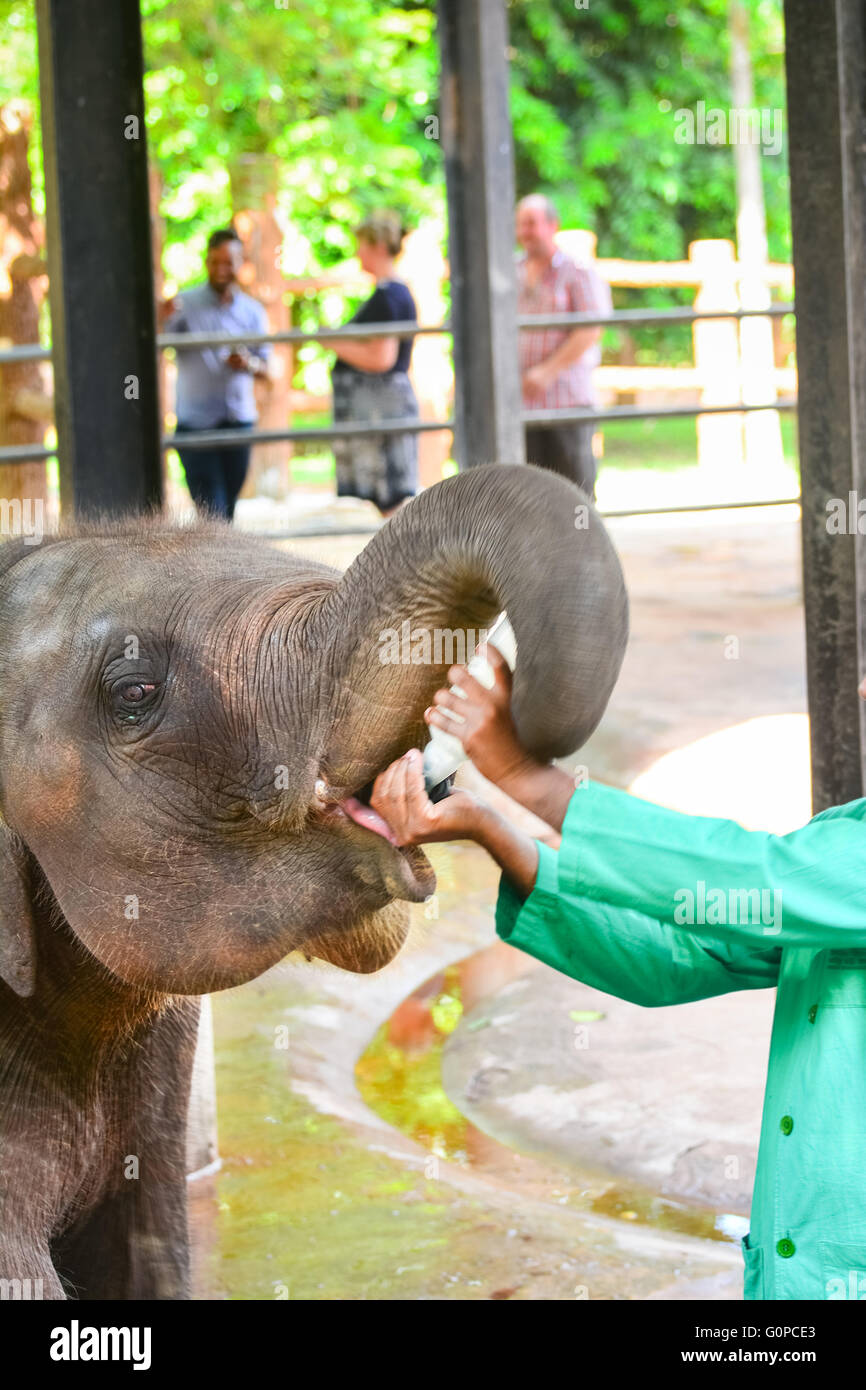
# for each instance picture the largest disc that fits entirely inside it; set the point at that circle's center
(188, 722)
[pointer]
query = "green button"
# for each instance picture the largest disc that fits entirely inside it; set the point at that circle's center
(785, 1248)
(786, 1124)
(812, 1013)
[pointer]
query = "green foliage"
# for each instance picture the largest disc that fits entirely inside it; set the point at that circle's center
(19, 72)
(336, 96)
(338, 100)
(594, 99)
(19, 78)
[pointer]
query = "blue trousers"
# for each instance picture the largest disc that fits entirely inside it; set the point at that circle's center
(216, 475)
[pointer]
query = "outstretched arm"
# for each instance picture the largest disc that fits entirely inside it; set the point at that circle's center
(621, 951)
(712, 878)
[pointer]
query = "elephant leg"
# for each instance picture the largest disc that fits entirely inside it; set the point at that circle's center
(26, 1269)
(31, 1174)
(133, 1244)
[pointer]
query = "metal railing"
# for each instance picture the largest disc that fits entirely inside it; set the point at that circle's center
(202, 439)
(36, 352)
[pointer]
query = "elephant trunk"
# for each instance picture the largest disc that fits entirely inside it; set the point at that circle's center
(493, 538)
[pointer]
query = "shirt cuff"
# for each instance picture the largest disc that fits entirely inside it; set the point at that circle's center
(526, 924)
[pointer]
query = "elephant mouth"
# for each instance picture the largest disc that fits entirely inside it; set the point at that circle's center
(358, 809)
(405, 870)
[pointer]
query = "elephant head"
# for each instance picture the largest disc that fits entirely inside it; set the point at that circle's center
(188, 718)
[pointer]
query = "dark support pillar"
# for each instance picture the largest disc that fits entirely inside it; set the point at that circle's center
(479, 168)
(99, 260)
(825, 56)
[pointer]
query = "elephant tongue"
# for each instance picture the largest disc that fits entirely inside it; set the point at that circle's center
(370, 819)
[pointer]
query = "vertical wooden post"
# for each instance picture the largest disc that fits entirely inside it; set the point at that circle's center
(717, 356)
(201, 1129)
(157, 242)
(479, 170)
(762, 433)
(422, 266)
(825, 59)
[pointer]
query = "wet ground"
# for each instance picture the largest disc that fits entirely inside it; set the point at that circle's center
(470, 1124)
(348, 1173)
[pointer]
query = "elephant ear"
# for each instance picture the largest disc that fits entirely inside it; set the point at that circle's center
(17, 932)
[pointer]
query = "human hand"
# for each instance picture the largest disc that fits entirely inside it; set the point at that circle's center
(239, 360)
(535, 382)
(400, 798)
(482, 721)
(166, 308)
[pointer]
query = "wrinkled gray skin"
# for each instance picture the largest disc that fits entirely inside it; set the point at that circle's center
(152, 849)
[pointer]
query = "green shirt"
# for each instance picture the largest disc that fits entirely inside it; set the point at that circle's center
(663, 908)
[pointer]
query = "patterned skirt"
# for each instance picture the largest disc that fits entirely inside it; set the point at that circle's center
(381, 468)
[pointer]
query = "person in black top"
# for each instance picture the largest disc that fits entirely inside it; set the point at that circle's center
(370, 380)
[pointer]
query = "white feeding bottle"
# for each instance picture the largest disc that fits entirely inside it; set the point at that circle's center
(444, 753)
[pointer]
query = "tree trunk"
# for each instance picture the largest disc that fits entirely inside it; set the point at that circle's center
(254, 185)
(157, 240)
(25, 405)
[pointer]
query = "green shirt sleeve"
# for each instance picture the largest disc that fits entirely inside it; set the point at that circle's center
(619, 950)
(711, 877)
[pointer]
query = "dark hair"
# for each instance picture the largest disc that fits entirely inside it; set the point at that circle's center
(220, 237)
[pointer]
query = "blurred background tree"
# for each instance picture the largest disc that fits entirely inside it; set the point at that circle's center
(594, 99)
(337, 95)
(342, 97)
(305, 113)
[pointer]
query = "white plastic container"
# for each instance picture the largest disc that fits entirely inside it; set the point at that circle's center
(444, 753)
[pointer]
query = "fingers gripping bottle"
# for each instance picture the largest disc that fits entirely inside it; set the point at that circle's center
(444, 753)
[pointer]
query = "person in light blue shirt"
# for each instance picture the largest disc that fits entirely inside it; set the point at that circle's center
(215, 385)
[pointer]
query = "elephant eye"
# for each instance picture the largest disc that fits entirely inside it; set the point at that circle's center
(134, 694)
(131, 699)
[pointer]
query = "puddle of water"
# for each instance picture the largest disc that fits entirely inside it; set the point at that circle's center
(301, 1209)
(403, 1083)
(636, 1204)
(400, 1078)
(306, 1208)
